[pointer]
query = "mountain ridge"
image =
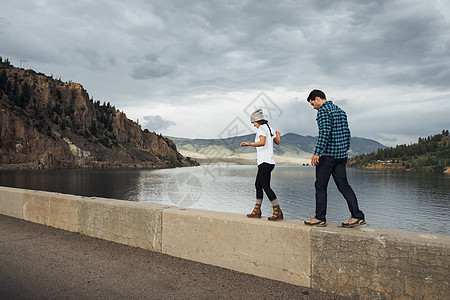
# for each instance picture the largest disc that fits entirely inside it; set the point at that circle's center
(294, 149)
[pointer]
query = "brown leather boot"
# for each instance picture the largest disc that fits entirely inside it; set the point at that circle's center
(256, 213)
(277, 214)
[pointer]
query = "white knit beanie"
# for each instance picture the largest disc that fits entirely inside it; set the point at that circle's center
(257, 115)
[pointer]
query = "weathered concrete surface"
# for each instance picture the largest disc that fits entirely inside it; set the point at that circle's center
(11, 201)
(276, 250)
(52, 209)
(364, 263)
(124, 222)
(381, 264)
(41, 262)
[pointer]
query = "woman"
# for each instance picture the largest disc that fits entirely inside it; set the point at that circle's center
(264, 149)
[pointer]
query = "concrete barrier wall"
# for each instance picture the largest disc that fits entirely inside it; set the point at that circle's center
(125, 222)
(365, 263)
(11, 202)
(276, 250)
(381, 264)
(52, 209)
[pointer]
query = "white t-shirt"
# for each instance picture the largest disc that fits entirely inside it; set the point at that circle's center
(265, 153)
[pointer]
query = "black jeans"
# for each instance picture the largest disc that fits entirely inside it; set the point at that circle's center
(336, 167)
(263, 181)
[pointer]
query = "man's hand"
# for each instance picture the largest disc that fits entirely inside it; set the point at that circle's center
(315, 160)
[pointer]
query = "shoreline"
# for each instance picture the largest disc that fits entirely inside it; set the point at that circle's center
(301, 162)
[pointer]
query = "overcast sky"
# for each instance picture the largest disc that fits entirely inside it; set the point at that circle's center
(198, 68)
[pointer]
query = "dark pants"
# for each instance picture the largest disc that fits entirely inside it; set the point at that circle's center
(330, 166)
(263, 181)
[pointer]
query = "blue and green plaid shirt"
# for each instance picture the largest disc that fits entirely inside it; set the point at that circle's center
(334, 134)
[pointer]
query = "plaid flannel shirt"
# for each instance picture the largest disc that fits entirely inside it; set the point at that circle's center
(334, 134)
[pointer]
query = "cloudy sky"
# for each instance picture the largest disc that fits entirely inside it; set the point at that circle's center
(198, 68)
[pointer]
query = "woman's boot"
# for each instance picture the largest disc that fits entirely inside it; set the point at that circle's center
(277, 214)
(256, 213)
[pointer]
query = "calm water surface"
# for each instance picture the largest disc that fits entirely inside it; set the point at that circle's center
(389, 199)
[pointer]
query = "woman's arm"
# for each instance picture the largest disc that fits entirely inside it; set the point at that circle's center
(262, 142)
(277, 138)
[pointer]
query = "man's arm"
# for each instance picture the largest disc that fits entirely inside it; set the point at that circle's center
(324, 124)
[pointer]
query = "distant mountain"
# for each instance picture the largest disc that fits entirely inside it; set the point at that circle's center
(294, 149)
(46, 123)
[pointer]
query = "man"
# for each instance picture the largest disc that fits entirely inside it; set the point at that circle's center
(330, 159)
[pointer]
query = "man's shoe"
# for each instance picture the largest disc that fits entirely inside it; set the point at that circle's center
(352, 222)
(315, 222)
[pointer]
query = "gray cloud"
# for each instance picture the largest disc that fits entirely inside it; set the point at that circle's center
(252, 43)
(155, 123)
(154, 68)
(142, 53)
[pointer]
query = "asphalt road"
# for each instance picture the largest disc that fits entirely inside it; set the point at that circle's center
(40, 262)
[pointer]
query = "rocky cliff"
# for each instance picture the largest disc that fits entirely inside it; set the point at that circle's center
(46, 123)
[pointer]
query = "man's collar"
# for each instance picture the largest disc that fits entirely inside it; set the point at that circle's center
(331, 102)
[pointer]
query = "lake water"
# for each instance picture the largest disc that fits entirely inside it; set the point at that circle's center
(390, 199)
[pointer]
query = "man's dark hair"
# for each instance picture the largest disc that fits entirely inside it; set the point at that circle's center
(314, 94)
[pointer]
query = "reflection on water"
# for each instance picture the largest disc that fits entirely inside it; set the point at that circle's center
(389, 199)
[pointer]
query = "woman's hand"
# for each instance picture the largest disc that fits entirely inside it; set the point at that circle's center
(277, 139)
(245, 144)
